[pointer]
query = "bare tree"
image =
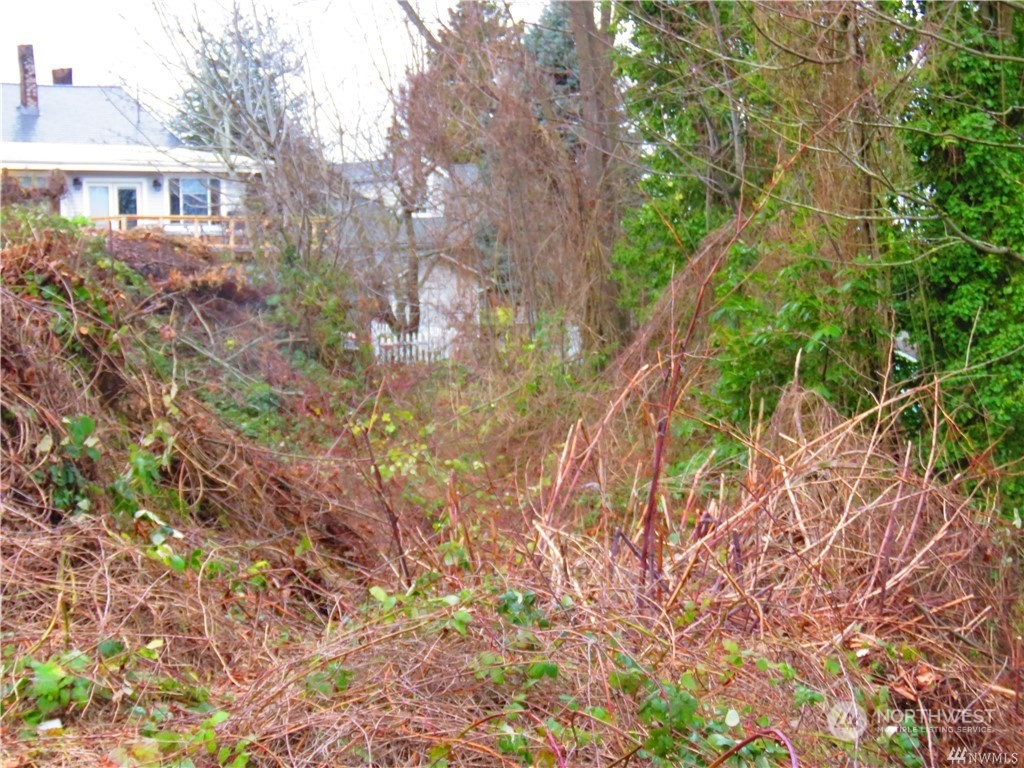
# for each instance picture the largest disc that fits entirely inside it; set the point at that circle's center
(601, 124)
(244, 98)
(543, 202)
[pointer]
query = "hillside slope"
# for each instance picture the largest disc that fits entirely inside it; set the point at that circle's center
(218, 553)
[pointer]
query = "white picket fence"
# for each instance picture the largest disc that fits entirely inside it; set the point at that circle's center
(432, 344)
(389, 347)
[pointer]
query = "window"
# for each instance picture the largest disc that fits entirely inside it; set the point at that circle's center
(195, 197)
(128, 203)
(120, 200)
(127, 200)
(99, 200)
(33, 182)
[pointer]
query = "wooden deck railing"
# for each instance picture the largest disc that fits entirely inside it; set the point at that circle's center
(234, 233)
(230, 232)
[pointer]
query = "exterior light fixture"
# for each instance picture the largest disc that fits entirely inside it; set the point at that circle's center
(76, 182)
(157, 184)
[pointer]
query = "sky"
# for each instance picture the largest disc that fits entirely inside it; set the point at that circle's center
(357, 50)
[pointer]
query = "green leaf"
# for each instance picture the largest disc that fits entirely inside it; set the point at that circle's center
(77, 661)
(803, 696)
(110, 647)
(626, 681)
(378, 594)
(541, 669)
(217, 718)
(81, 690)
(47, 680)
(79, 429)
(720, 741)
(169, 741)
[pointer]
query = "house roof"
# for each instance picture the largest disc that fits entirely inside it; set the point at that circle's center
(77, 114)
(95, 128)
(366, 171)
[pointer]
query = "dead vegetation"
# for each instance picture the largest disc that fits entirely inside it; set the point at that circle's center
(196, 597)
(12, 191)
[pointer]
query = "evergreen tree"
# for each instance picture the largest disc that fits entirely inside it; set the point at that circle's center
(240, 98)
(749, 117)
(551, 46)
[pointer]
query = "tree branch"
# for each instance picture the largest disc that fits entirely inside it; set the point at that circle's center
(416, 21)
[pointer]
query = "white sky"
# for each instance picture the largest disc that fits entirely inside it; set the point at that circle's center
(356, 49)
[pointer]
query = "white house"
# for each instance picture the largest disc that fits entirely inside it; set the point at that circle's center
(449, 286)
(119, 160)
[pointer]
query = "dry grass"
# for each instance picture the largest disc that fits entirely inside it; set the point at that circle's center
(837, 563)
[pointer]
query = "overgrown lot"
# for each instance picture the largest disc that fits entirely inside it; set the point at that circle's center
(222, 547)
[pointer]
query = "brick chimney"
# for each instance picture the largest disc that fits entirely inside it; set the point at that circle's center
(29, 89)
(62, 76)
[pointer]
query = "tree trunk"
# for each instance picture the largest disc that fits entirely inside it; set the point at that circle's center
(600, 217)
(409, 287)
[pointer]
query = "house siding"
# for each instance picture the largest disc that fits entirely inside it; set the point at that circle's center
(100, 136)
(449, 307)
(151, 202)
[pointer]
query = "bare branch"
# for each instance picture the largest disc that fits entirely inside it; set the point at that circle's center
(416, 21)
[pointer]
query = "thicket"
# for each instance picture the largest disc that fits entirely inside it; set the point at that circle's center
(215, 554)
(867, 159)
(754, 535)
(962, 294)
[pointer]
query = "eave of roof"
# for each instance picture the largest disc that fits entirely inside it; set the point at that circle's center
(117, 158)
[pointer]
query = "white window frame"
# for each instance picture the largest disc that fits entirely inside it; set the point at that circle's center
(212, 190)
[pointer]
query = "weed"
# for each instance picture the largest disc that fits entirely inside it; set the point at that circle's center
(56, 687)
(520, 608)
(255, 411)
(160, 745)
(20, 224)
(69, 464)
(328, 682)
